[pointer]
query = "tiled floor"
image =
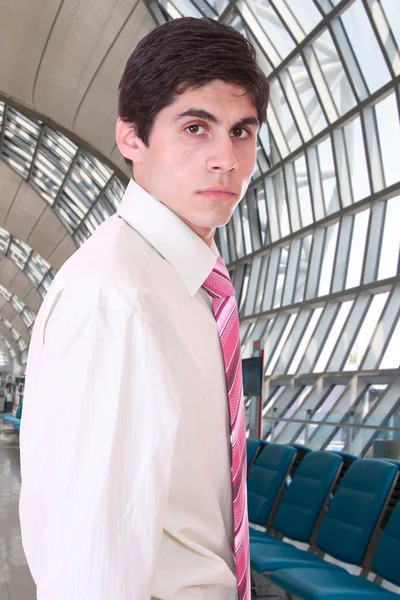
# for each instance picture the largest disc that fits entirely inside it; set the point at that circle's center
(16, 582)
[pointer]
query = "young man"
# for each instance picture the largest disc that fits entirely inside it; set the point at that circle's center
(133, 433)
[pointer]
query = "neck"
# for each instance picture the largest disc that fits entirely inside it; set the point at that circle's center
(206, 234)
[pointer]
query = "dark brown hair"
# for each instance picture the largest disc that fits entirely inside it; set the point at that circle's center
(186, 54)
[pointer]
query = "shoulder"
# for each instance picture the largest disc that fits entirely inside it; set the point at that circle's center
(105, 271)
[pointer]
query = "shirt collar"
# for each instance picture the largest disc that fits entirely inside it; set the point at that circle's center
(169, 235)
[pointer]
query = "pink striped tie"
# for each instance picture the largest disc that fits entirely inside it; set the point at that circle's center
(220, 288)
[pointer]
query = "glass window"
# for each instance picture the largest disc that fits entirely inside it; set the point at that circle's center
(328, 404)
(304, 341)
(17, 304)
(19, 252)
(237, 226)
(391, 9)
(284, 253)
(356, 160)
(294, 406)
(328, 260)
(327, 5)
(261, 284)
(328, 176)
(273, 27)
(20, 139)
(4, 240)
(114, 192)
(265, 145)
(282, 215)
(81, 235)
(46, 283)
(52, 162)
(387, 113)
(72, 204)
(222, 236)
(357, 249)
(5, 293)
(303, 191)
(273, 398)
(306, 13)
(365, 45)
(308, 98)
(36, 269)
(244, 217)
(366, 332)
(302, 270)
(245, 287)
(389, 259)
(391, 358)
(334, 73)
(333, 336)
(28, 317)
(282, 340)
(284, 120)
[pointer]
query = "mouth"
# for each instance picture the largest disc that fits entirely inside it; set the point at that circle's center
(218, 192)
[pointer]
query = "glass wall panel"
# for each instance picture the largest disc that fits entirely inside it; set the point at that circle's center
(389, 256)
(387, 114)
(357, 248)
(328, 260)
(366, 332)
(326, 351)
(365, 46)
(356, 160)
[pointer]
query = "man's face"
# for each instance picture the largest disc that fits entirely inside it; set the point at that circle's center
(201, 155)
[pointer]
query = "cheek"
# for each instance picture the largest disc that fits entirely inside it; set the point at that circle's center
(247, 159)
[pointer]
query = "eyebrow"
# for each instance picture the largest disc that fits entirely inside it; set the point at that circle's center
(199, 113)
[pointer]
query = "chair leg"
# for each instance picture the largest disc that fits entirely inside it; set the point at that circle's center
(262, 588)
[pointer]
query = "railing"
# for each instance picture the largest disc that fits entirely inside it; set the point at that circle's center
(350, 436)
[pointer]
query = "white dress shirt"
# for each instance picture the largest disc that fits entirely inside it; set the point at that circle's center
(125, 445)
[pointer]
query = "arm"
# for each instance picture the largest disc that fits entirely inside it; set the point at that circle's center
(96, 450)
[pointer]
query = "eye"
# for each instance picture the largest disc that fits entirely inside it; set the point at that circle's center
(240, 133)
(195, 129)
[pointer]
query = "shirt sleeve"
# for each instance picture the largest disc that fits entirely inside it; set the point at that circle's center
(97, 440)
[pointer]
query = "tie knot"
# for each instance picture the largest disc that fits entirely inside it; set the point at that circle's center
(218, 284)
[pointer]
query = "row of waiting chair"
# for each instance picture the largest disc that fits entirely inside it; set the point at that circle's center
(14, 420)
(342, 521)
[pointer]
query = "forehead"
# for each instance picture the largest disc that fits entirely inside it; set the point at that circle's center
(227, 101)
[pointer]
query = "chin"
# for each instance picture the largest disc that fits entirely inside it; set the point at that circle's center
(222, 221)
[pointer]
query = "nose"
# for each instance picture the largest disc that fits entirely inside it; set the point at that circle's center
(221, 157)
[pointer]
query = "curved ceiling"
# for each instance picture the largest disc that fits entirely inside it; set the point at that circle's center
(27, 216)
(80, 189)
(64, 62)
(65, 59)
(53, 194)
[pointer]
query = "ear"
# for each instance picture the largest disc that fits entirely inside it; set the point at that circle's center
(128, 142)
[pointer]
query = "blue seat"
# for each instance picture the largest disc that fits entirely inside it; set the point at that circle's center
(253, 447)
(301, 452)
(305, 498)
(10, 419)
(348, 460)
(266, 482)
(347, 528)
(328, 585)
(314, 584)
(14, 420)
(18, 414)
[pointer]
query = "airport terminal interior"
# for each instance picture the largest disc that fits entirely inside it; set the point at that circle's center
(312, 249)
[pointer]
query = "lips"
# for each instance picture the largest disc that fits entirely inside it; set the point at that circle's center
(219, 193)
(223, 189)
